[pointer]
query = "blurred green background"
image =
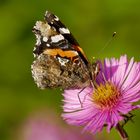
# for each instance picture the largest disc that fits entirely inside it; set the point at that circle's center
(92, 22)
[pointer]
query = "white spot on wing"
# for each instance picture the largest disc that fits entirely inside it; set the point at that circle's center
(45, 39)
(57, 38)
(56, 18)
(63, 61)
(34, 55)
(38, 39)
(64, 31)
(43, 29)
(34, 49)
(48, 45)
(46, 13)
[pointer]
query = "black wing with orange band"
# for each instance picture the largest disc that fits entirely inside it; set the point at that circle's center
(54, 22)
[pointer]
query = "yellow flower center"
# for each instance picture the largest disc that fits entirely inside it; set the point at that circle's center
(106, 95)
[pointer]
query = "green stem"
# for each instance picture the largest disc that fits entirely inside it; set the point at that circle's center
(122, 132)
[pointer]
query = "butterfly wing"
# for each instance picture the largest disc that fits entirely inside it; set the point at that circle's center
(54, 22)
(60, 62)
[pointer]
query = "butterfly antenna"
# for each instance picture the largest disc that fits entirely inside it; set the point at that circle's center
(107, 43)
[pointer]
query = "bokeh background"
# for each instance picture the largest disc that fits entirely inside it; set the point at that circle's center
(92, 22)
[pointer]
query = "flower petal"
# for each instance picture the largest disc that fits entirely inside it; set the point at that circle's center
(120, 73)
(96, 124)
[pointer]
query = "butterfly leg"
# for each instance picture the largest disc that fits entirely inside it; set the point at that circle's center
(81, 101)
(80, 98)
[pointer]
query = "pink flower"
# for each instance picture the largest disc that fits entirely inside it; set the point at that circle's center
(118, 87)
(42, 126)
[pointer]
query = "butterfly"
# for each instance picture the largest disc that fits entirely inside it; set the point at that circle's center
(59, 59)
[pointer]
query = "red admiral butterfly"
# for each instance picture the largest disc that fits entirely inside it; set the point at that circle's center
(59, 60)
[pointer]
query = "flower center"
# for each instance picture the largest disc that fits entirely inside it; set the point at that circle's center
(106, 95)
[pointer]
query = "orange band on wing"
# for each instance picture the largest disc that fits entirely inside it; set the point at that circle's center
(81, 50)
(66, 53)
